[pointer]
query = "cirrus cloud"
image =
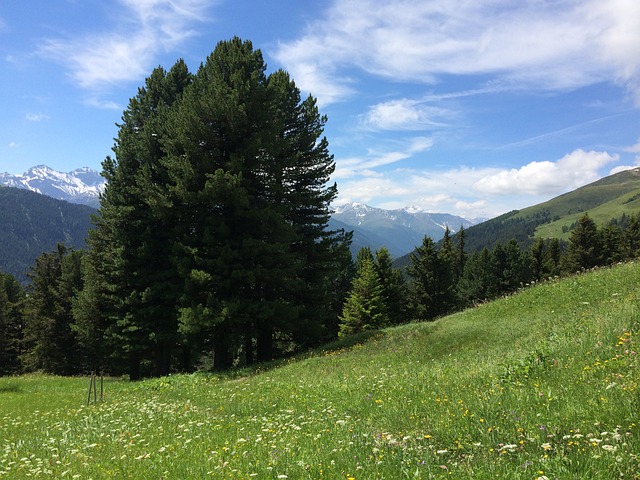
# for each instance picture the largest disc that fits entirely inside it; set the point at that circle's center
(144, 29)
(550, 45)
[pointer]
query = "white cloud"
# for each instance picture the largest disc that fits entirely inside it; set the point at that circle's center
(478, 192)
(546, 178)
(13, 145)
(348, 167)
(404, 114)
(622, 168)
(36, 117)
(551, 45)
(102, 104)
(145, 28)
(633, 148)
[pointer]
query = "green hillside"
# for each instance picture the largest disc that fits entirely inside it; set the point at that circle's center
(603, 200)
(542, 384)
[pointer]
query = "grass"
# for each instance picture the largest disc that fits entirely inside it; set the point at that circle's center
(542, 384)
(601, 214)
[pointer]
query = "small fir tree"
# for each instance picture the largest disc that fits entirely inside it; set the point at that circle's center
(365, 307)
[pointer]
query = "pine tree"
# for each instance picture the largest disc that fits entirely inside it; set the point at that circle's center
(365, 307)
(583, 250)
(393, 287)
(49, 340)
(479, 282)
(128, 306)
(432, 290)
(11, 305)
(611, 241)
(631, 237)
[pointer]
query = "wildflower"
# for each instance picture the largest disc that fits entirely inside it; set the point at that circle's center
(546, 446)
(609, 448)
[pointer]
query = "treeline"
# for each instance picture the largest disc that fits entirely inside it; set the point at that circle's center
(43, 328)
(444, 279)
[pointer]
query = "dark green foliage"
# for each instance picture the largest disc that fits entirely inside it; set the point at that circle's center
(393, 287)
(479, 281)
(365, 307)
(612, 244)
(31, 223)
(212, 237)
(129, 304)
(49, 341)
(432, 291)
(11, 321)
(583, 250)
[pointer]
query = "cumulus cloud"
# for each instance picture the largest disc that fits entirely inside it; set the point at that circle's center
(551, 45)
(404, 114)
(574, 170)
(478, 192)
(144, 29)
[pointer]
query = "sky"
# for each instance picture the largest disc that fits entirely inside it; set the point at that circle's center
(468, 107)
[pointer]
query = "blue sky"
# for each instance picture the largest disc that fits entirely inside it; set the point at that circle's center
(471, 108)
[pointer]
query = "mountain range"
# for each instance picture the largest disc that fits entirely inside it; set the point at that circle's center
(399, 230)
(31, 224)
(81, 186)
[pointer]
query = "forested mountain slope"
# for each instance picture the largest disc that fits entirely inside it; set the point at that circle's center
(31, 223)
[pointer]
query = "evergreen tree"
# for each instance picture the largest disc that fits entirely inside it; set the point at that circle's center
(250, 165)
(479, 282)
(365, 307)
(432, 290)
(212, 230)
(537, 250)
(516, 270)
(583, 250)
(631, 237)
(11, 304)
(128, 306)
(552, 258)
(49, 341)
(393, 287)
(611, 241)
(459, 257)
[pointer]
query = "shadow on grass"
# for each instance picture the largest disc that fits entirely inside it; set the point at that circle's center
(341, 344)
(10, 388)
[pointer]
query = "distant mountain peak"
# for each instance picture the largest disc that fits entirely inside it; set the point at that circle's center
(400, 230)
(82, 185)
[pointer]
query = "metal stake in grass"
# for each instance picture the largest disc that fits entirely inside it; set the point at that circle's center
(93, 384)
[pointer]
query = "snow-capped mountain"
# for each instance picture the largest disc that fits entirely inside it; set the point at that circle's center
(81, 186)
(401, 230)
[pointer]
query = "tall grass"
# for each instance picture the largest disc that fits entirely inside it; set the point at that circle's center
(540, 384)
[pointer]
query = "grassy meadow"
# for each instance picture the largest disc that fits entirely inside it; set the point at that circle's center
(542, 384)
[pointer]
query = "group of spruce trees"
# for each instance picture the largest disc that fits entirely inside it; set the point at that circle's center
(443, 278)
(211, 246)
